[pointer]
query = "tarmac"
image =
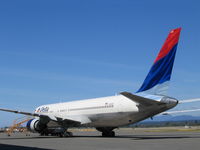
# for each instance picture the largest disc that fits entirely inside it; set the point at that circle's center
(126, 139)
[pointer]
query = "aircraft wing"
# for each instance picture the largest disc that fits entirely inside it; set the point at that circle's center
(20, 112)
(74, 119)
(141, 100)
(45, 117)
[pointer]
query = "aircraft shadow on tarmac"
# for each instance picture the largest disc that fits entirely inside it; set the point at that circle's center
(15, 147)
(133, 137)
(142, 137)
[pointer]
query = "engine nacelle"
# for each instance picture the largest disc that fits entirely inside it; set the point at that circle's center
(33, 125)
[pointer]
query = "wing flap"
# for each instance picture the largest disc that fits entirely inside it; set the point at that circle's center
(77, 119)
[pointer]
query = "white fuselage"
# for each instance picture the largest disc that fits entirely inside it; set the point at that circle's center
(113, 111)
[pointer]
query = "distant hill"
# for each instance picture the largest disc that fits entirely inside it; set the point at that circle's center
(168, 120)
(173, 118)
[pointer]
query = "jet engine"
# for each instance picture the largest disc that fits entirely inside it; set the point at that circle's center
(33, 125)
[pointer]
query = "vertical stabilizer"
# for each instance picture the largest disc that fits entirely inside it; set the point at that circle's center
(159, 75)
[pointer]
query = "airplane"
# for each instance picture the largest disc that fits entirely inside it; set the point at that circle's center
(107, 113)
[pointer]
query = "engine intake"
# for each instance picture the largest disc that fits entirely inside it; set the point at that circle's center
(33, 125)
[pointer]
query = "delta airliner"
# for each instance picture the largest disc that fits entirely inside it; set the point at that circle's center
(108, 113)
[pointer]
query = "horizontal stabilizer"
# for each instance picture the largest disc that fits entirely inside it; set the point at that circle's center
(189, 100)
(141, 100)
(180, 111)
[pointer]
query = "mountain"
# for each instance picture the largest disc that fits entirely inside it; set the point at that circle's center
(173, 118)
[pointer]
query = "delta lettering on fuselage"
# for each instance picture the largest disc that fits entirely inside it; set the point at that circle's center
(42, 110)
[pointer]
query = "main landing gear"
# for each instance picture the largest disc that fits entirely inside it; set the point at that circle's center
(107, 131)
(65, 134)
(58, 132)
(108, 134)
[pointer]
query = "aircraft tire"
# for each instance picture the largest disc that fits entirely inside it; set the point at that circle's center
(68, 134)
(108, 134)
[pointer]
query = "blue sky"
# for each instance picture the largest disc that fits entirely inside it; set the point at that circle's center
(55, 51)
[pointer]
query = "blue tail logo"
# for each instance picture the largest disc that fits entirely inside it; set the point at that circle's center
(159, 75)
